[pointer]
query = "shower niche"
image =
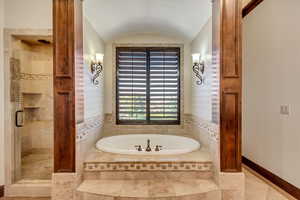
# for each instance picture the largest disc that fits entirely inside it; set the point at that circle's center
(32, 100)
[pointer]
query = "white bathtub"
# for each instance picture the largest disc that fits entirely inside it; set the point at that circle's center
(126, 144)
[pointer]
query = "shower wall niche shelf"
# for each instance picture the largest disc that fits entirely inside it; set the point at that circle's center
(32, 107)
(31, 93)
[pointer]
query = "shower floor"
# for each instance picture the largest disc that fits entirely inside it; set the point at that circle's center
(37, 165)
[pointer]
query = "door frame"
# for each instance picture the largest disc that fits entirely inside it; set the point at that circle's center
(227, 52)
(12, 187)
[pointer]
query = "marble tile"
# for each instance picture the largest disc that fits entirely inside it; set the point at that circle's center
(64, 186)
(161, 189)
(105, 187)
(24, 198)
(192, 186)
(151, 189)
(201, 155)
(134, 188)
(37, 165)
(257, 188)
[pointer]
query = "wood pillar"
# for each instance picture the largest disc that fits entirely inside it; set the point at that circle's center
(68, 58)
(227, 53)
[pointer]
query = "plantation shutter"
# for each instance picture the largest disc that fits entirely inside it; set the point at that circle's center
(164, 85)
(148, 86)
(131, 84)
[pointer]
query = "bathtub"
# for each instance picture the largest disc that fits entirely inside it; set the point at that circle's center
(128, 144)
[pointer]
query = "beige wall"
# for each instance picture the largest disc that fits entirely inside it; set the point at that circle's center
(34, 14)
(201, 97)
(245, 2)
(146, 39)
(271, 79)
(1, 94)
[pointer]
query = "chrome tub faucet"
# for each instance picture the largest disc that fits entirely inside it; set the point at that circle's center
(148, 149)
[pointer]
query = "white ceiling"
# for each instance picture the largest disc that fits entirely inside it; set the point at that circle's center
(114, 18)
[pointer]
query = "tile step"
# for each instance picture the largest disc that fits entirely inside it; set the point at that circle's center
(147, 175)
(184, 189)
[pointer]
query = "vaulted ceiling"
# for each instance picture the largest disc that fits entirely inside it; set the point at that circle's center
(180, 18)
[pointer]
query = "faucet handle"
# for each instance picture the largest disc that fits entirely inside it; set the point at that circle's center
(158, 148)
(138, 147)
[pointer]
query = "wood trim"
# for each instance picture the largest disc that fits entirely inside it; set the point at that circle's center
(67, 33)
(284, 185)
(1, 191)
(227, 53)
(250, 6)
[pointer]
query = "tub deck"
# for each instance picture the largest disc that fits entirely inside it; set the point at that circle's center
(199, 160)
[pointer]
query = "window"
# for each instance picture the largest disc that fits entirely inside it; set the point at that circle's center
(148, 86)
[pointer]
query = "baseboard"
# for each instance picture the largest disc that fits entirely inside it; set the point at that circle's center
(284, 185)
(1, 191)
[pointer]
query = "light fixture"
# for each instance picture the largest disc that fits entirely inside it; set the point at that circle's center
(198, 68)
(96, 67)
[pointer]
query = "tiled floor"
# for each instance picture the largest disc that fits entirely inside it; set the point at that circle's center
(256, 189)
(37, 166)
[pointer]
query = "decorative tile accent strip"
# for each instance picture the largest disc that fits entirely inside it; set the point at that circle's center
(148, 166)
(211, 128)
(87, 126)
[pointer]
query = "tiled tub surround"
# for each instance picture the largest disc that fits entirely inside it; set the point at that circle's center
(111, 129)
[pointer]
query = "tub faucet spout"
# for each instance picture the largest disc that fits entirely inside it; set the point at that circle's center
(148, 149)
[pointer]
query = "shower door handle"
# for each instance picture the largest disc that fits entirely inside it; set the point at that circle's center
(19, 119)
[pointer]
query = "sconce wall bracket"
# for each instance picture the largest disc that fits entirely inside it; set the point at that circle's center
(96, 70)
(198, 69)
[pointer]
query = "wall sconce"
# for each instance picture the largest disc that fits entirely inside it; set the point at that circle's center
(198, 68)
(96, 67)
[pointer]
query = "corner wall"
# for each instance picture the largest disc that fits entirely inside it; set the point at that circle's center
(90, 130)
(201, 94)
(2, 150)
(33, 14)
(271, 78)
(201, 97)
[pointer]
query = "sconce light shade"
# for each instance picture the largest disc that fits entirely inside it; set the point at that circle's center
(196, 58)
(99, 57)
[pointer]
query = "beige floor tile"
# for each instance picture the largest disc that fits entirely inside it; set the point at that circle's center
(259, 189)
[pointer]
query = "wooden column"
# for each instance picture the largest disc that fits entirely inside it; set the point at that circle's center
(227, 16)
(67, 33)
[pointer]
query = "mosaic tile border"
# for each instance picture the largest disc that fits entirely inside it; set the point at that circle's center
(87, 126)
(148, 166)
(212, 129)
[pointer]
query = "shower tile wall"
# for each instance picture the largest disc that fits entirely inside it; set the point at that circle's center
(36, 99)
